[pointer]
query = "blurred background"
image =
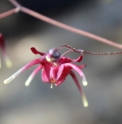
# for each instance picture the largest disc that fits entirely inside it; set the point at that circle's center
(38, 104)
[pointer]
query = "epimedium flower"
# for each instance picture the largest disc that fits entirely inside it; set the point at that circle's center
(55, 68)
(4, 53)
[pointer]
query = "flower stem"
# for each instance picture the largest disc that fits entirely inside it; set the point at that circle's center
(58, 24)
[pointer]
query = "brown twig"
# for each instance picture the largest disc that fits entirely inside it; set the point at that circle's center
(8, 13)
(71, 49)
(59, 24)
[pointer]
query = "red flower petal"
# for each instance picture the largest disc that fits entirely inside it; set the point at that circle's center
(2, 45)
(78, 59)
(82, 66)
(36, 51)
(27, 66)
(76, 68)
(85, 102)
(68, 60)
(62, 73)
(44, 76)
(64, 60)
(53, 72)
(46, 71)
(4, 53)
(76, 81)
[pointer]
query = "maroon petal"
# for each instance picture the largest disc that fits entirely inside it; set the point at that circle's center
(62, 73)
(36, 51)
(76, 81)
(46, 71)
(68, 60)
(44, 76)
(64, 60)
(4, 53)
(78, 59)
(2, 45)
(53, 72)
(77, 69)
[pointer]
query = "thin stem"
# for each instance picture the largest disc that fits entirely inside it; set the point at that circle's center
(66, 53)
(8, 13)
(15, 3)
(86, 52)
(64, 26)
(69, 28)
(92, 53)
(71, 49)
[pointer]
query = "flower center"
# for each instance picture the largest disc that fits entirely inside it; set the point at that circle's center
(53, 81)
(49, 59)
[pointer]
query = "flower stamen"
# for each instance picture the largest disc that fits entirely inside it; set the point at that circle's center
(50, 59)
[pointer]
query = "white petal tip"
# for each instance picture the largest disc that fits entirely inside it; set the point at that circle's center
(86, 105)
(9, 80)
(28, 81)
(26, 85)
(5, 82)
(85, 83)
(85, 102)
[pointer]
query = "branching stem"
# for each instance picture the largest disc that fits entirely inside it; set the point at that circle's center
(56, 23)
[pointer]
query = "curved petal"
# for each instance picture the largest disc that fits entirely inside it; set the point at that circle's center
(68, 60)
(27, 66)
(64, 60)
(62, 74)
(78, 59)
(36, 51)
(76, 81)
(78, 70)
(44, 76)
(82, 66)
(53, 73)
(85, 102)
(32, 75)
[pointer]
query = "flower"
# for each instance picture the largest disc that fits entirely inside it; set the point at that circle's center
(55, 68)
(4, 53)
